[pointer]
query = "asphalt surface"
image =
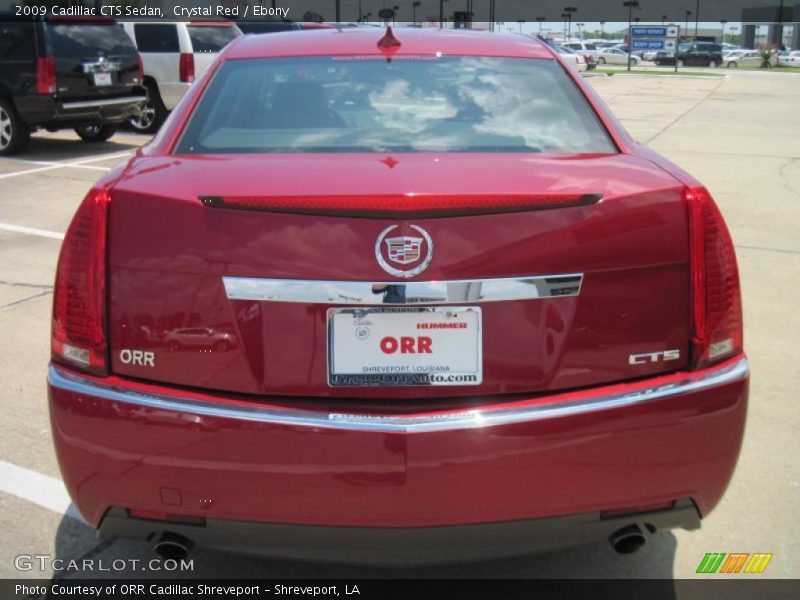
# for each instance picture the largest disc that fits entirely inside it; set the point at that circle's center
(738, 135)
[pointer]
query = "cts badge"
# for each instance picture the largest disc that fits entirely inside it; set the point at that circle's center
(393, 253)
(652, 357)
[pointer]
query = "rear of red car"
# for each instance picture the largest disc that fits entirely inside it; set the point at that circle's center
(396, 300)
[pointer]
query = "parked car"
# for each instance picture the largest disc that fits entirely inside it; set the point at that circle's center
(582, 48)
(624, 48)
(572, 58)
(705, 54)
(613, 56)
(63, 74)
(173, 55)
(746, 58)
(205, 338)
(469, 314)
(789, 58)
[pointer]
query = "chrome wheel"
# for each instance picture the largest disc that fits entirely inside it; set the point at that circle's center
(6, 131)
(146, 117)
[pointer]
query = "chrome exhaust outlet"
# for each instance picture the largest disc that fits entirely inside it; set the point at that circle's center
(628, 539)
(172, 546)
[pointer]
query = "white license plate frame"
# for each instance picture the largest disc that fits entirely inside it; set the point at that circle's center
(453, 354)
(102, 79)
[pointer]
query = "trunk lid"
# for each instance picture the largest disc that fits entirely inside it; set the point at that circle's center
(169, 255)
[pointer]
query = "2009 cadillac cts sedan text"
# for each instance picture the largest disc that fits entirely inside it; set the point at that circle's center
(395, 297)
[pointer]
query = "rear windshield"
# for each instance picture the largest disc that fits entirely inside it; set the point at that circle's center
(366, 104)
(207, 38)
(77, 40)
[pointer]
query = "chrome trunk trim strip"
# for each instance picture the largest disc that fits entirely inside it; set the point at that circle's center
(402, 292)
(551, 407)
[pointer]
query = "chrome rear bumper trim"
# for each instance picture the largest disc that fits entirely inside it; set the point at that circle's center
(546, 408)
(396, 292)
(101, 103)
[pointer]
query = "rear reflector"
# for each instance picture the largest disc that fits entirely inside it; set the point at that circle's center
(155, 515)
(46, 75)
(716, 298)
(401, 205)
(78, 335)
(186, 67)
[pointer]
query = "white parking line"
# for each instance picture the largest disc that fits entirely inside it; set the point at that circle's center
(77, 164)
(32, 231)
(42, 490)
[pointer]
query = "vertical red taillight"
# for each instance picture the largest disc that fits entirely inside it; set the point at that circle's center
(79, 327)
(716, 298)
(186, 70)
(46, 75)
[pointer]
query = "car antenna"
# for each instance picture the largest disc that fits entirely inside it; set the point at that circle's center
(389, 44)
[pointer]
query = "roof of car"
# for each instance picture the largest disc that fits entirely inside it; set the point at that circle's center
(364, 40)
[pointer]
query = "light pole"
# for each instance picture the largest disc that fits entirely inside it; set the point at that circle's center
(663, 19)
(414, 7)
(580, 30)
(569, 10)
(723, 22)
(565, 16)
(686, 23)
(630, 5)
(520, 23)
(540, 20)
(602, 30)
(696, 18)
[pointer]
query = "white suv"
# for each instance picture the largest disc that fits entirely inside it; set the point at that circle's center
(172, 55)
(582, 48)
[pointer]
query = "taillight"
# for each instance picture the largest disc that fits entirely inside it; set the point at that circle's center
(46, 75)
(141, 68)
(187, 67)
(716, 298)
(79, 328)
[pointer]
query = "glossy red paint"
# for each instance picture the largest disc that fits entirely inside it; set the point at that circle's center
(160, 273)
(167, 254)
(115, 454)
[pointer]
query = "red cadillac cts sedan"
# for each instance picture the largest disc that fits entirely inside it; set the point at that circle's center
(400, 298)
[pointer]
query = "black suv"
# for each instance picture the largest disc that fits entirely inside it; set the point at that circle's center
(698, 54)
(59, 74)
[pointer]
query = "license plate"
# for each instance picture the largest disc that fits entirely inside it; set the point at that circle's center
(102, 78)
(405, 346)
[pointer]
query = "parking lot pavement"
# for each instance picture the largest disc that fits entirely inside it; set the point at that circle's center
(737, 134)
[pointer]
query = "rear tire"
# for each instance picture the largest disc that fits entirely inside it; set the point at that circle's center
(712, 64)
(732, 64)
(153, 112)
(96, 133)
(601, 60)
(14, 134)
(680, 63)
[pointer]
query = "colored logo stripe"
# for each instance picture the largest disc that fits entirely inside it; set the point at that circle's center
(734, 562)
(757, 563)
(711, 562)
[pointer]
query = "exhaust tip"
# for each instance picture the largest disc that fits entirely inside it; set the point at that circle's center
(172, 546)
(628, 539)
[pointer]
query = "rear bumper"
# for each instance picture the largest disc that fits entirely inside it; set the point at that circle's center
(45, 111)
(402, 546)
(622, 448)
